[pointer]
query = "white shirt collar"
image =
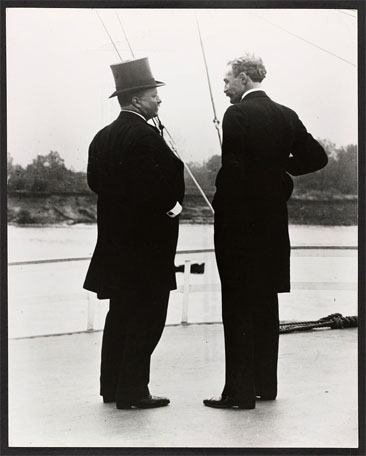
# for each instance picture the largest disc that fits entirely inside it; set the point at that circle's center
(250, 91)
(134, 112)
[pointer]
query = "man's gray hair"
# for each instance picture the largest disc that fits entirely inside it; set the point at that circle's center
(249, 64)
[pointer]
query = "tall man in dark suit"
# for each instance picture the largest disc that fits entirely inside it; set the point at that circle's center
(140, 188)
(262, 141)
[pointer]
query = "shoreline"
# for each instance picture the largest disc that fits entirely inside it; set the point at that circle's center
(182, 222)
(69, 210)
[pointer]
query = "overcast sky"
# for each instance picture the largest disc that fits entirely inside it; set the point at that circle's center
(59, 79)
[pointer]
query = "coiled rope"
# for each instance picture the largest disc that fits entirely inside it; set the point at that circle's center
(332, 321)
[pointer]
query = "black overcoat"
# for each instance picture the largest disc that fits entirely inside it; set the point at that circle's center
(262, 140)
(137, 179)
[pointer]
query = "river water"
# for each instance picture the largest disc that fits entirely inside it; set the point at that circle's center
(36, 243)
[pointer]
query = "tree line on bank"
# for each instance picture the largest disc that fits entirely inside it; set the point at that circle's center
(49, 174)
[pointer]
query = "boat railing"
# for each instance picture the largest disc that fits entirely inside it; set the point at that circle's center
(187, 287)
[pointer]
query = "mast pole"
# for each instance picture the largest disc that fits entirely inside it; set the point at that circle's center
(215, 119)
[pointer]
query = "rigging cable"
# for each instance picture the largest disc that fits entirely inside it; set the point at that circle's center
(105, 28)
(160, 126)
(307, 41)
(124, 33)
(174, 148)
(215, 119)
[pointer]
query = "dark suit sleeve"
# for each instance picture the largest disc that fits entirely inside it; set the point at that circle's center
(92, 170)
(150, 177)
(234, 130)
(307, 154)
(105, 172)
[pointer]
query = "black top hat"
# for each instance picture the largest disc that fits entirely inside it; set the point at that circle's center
(133, 75)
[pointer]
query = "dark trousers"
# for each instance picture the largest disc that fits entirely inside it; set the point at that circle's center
(251, 330)
(133, 327)
(249, 308)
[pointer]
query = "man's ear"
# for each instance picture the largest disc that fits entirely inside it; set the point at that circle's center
(135, 101)
(244, 77)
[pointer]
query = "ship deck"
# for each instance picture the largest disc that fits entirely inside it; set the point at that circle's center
(54, 401)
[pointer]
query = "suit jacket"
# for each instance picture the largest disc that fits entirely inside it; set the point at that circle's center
(262, 140)
(137, 179)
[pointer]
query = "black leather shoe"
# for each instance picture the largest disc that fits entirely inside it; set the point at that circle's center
(109, 399)
(228, 402)
(144, 402)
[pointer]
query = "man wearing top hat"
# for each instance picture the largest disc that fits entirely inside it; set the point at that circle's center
(140, 188)
(262, 141)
